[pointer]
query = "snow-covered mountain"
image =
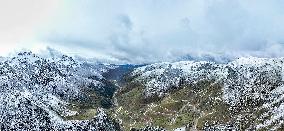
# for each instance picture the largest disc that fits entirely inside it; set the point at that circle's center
(36, 92)
(53, 91)
(251, 87)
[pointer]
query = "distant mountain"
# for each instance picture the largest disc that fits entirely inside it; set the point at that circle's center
(206, 57)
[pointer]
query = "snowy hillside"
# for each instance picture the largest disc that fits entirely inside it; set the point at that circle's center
(248, 85)
(36, 91)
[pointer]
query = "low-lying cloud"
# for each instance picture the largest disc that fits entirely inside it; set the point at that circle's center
(151, 30)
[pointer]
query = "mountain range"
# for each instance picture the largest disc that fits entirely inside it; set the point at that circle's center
(58, 92)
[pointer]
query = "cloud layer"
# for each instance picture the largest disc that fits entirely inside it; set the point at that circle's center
(149, 31)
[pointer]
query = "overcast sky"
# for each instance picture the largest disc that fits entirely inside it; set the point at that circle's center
(139, 31)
